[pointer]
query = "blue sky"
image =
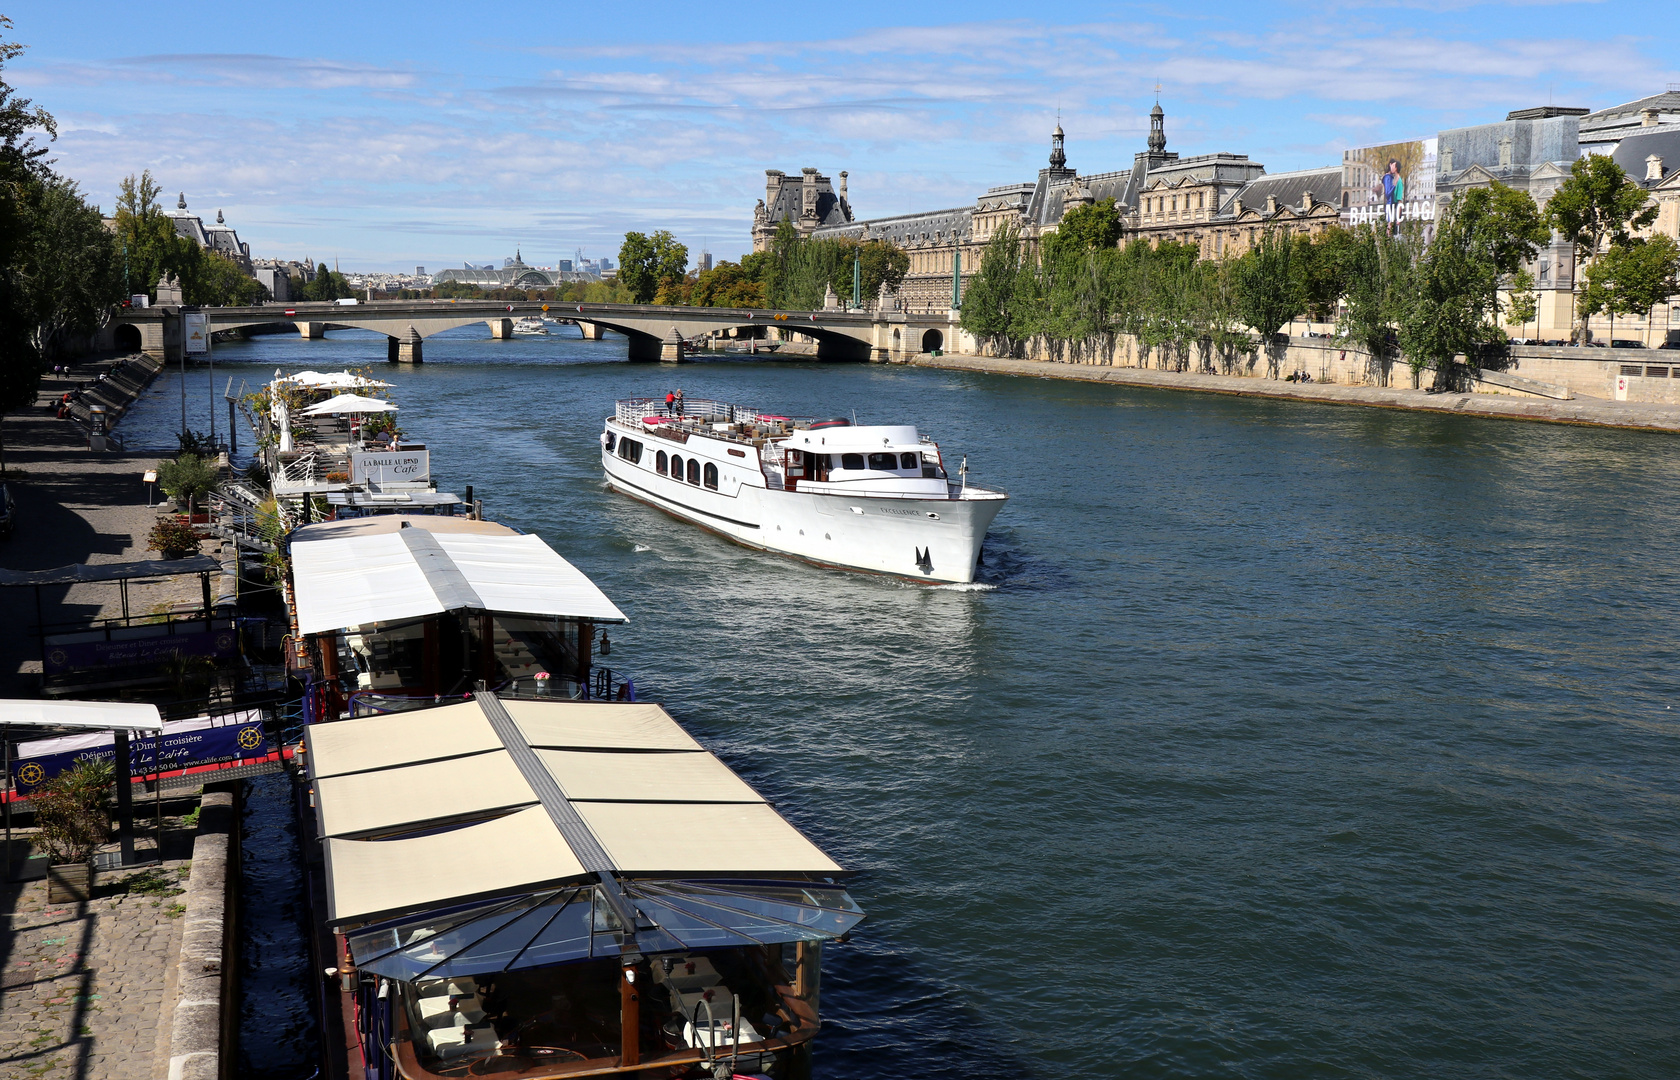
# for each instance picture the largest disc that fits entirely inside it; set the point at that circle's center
(392, 135)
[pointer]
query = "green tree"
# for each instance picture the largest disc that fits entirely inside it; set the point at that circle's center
(1271, 289)
(1091, 227)
(646, 261)
(331, 285)
(22, 170)
(1597, 205)
(70, 272)
(146, 237)
(1375, 274)
(988, 310)
(1522, 304)
(1632, 277)
(217, 281)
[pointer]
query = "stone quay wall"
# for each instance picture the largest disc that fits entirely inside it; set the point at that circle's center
(1642, 375)
(206, 1013)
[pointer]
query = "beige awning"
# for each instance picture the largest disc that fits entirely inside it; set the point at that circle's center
(623, 781)
(437, 792)
(564, 725)
(370, 878)
(401, 738)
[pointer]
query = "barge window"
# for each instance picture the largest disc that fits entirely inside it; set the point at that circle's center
(886, 462)
(908, 461)
(676, 466)
(694, 471)
(662, 463)
(851, 461)
(711, 476)
(630, 450)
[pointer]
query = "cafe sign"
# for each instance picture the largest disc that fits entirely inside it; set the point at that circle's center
(390, 466)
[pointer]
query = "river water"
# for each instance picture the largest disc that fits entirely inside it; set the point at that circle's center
(1278, 740)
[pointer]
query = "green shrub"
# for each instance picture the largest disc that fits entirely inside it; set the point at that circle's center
(189, 476)
(70, 811)
(173, 537)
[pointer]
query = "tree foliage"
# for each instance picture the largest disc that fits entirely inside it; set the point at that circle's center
(1597, 206)
(1452, 305)
(644, 262)
(1632, 277)
(801, 269)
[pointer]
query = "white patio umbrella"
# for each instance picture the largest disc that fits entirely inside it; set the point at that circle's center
(332, 380)
(349, 403)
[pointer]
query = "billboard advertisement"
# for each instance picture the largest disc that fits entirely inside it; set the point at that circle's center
(1389, 184)
(390, 467)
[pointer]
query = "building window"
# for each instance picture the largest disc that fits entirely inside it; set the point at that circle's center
(694, 471)
(676, 466)
(851, 461)
(711, 476)
(661, 463)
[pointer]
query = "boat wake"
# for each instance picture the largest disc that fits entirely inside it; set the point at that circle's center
(640, 548)
(966, 586)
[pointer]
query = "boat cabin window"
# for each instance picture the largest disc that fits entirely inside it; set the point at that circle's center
(662, 462)
(851, 461)
(612, 440)
(909, 461)
(711, 476)
(677, 466)
(884, 462)
(694, 472)
(630, 450)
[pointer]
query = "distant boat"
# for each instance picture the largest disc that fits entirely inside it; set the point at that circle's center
(530, 324)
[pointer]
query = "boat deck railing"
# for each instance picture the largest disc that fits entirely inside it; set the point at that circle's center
(698, 410)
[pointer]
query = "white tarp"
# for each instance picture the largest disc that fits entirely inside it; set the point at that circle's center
(349, 403)
(329, 380)
(414, 572)
(108, 715)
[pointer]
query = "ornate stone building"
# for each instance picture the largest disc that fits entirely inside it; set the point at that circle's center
(1219, 202)
(809, 201)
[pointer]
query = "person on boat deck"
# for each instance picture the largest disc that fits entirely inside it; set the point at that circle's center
(679, 401)
(670, 403)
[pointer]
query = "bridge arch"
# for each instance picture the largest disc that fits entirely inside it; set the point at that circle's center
(932, 340)
(126, 338)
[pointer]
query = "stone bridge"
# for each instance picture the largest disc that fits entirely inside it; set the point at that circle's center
(655, 332)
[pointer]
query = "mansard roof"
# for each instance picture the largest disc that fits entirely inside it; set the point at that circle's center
(790, 202)
(1668, 101)
(1325, 185)
(1632, 151)
(907, 230)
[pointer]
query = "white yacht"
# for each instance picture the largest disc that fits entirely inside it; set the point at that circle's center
(530, 324)
(863, 497)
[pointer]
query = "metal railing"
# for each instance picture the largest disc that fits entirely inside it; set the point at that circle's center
(635, 410)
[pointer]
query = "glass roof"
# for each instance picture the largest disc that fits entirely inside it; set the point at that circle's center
(570, 924)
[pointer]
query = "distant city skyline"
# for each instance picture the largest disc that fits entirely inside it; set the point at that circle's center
(389, 136)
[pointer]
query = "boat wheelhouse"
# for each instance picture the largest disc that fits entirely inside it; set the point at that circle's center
(537, 889)
(879, 498)
(395, 610)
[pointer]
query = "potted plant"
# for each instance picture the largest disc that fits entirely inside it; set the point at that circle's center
(187, 479)
(173, 537)
(71, 822)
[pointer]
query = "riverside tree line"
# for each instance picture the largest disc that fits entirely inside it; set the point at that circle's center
(1073, 293)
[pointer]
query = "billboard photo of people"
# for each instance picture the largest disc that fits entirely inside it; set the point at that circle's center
(1391, 184)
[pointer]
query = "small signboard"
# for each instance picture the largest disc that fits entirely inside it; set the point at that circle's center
(390, 466)
(139, 300)
(185, 744)
(195, 326)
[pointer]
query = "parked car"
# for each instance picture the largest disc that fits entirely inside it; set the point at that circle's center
(8, 512)
(1669, 345)
(1626, 343)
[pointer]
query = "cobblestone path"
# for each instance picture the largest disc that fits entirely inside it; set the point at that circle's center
(81, 992)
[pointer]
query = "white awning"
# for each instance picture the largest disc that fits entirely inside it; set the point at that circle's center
(349, 403)
(560, 792)
(104, 715)
(412, 572)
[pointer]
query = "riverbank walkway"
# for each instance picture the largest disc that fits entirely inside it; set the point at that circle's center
(1590, 411)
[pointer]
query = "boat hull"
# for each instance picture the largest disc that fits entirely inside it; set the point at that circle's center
(933, 540)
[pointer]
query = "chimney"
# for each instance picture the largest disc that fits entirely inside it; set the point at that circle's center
(1271, 205)
(1505, 145)
(1654, 167)
(1649, 117)
(1446, 159)
(842, 185)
